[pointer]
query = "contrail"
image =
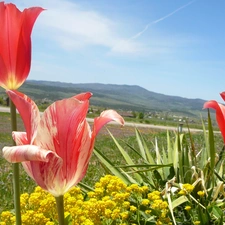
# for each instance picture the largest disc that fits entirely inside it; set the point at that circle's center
(160, 19)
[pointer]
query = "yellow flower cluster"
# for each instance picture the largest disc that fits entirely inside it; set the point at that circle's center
(108, 202)
(186, 189)
(159, 205)
(38, 207)
(111, 202)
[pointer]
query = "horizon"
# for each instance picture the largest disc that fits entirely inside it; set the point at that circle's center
(97, 83)
(174, 47)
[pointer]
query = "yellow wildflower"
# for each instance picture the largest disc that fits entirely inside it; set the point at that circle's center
(188, 207)
(145, 202)
(133, 208)
(182, 192)
(201, 193)
(188, 188)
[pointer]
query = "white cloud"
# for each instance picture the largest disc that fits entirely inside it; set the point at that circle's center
(72, 23)
(73, 27)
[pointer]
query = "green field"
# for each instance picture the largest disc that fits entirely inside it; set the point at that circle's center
(104, 143)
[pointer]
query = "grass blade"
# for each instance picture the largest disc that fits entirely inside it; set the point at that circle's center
(116, 171)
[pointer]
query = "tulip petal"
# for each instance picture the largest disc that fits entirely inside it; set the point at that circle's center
(20, 138)
(23, 60)
(60, 124)
(63, 129)
(29, 113)
(106, 117)
(82, 156)
(83, 96)
(23, 153)
(40, 164)
(87, 148)
(15, 43)
(220, 114)
(223, 95)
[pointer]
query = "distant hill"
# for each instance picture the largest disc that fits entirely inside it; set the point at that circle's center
(124, 97)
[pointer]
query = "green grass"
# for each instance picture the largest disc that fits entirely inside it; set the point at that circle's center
(103, 142)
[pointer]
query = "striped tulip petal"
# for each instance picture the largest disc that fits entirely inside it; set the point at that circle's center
(65, 132)
(106, 117)
(23, 153)
(28, 111)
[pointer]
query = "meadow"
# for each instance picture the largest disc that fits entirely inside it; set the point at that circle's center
(125, 136)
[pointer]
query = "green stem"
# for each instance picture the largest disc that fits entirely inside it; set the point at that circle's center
(60, 209)
(16, 182)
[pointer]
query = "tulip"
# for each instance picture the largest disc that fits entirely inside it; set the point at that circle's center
(15, 60)
(220, 113)
(15, 44)
(56, 148)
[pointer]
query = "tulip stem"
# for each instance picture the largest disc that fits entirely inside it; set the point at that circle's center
(16, 182)
(60, 209)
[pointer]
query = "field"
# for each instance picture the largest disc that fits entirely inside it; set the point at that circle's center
(103, 142)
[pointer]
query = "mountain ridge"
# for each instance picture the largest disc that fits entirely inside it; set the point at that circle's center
(124, 97)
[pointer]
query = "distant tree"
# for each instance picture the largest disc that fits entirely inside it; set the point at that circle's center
(1, 101)
(134, 114)
(90, 110)
(141, 116)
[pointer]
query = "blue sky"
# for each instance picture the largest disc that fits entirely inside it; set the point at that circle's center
(171, 47)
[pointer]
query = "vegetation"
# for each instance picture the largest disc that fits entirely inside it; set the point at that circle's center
(150, 166)
(189, 177)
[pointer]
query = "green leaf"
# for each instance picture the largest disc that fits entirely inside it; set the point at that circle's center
(127, 158)
(179, 201)
(117, 172)
(211, 142)
(68, 220)
(158, 157)
(217, 212)
(143, 148)
(152, 166)
(158, 178)
(85, 187)
(169, 148)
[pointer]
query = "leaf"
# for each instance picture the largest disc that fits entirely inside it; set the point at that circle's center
(218, 190)
(85, 187)
(117, 172)
(68, 220)
(171, 174)
(143, 148)
(152, 166)
(127, 158)
(179, 201)
(217, 212)
(169, 148)
(158, 178)
(170, 207)
(211, 142)
(203, 216)
(204, 153)
(158, 157)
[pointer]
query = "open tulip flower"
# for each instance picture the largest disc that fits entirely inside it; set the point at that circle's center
(15, 44)
(56, 148)
(220, 113)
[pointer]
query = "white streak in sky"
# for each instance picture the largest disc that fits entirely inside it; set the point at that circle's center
(161, 19)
